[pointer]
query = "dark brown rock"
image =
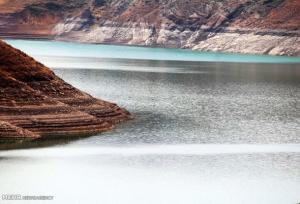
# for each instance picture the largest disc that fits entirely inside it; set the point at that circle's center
(35, 102)
(9, 131)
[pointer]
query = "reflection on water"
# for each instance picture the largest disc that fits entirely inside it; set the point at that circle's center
(253, 104)
(26, 144)
(33, 48)
(204, 133)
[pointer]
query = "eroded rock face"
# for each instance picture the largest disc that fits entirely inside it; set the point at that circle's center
(9, 131)
(210, 25)
(34, 102)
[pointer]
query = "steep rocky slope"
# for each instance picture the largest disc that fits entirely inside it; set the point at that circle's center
(246, 26)
(35, 103)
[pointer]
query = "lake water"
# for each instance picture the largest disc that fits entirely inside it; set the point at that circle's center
(209, 128)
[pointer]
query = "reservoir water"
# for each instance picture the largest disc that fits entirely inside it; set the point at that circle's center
(208, 128)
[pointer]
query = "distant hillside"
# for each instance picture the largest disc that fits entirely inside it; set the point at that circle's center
(245, 26)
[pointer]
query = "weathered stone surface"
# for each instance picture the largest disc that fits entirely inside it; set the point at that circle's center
(9, 131)
(263, 26)
(250, 43)
(34, 102)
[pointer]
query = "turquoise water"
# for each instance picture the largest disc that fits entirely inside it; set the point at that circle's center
(48, 48)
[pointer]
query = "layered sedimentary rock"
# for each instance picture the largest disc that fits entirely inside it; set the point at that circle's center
(34, 102)
(247, 26)
(9, 131)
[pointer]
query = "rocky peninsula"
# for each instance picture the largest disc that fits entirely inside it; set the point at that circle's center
(35, 103)
(242, 26)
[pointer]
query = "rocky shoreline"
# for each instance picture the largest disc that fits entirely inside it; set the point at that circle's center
(263, 43)
(235, 26)
(282, 44)
(35, 103)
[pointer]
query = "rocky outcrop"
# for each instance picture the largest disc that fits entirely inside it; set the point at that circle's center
(35, 103)
(247, 26)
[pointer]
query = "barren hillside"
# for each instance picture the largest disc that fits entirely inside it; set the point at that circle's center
(246, 26)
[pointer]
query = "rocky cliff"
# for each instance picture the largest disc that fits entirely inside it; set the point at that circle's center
(245, 26)
(35, 103)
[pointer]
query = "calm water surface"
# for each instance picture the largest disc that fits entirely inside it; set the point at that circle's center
(204, 132)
